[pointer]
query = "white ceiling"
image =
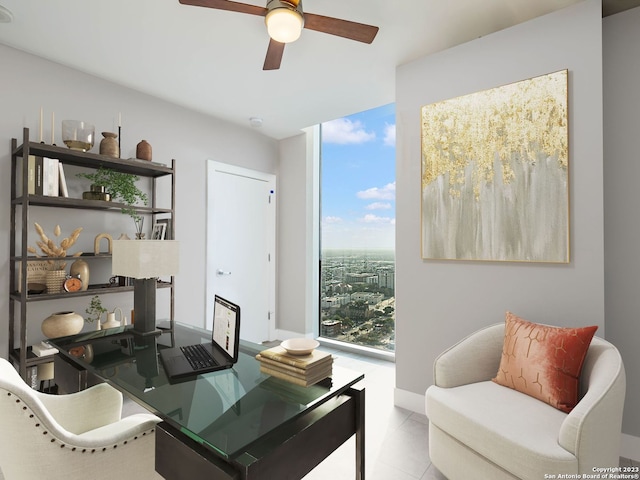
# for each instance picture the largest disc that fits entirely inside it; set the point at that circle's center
(211, 60)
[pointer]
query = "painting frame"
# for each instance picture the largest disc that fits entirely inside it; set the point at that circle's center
(495, 174)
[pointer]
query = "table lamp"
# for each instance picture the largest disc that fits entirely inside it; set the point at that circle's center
(144, 261)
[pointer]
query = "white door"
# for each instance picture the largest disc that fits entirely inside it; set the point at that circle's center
(241, 246)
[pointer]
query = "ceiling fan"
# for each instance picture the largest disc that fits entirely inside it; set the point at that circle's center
(285, 20)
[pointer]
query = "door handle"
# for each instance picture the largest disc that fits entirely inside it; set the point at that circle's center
(222, 272)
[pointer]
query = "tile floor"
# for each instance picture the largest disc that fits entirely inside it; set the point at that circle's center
(396, 440)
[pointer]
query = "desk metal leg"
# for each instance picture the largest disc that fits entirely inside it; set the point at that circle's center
(357, 392)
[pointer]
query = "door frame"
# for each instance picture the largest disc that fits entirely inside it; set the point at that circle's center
(214, 166)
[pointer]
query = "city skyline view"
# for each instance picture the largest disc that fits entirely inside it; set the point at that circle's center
(357, 275)
(358, 181)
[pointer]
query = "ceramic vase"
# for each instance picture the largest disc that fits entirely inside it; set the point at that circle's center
(54, 280)
(62, 324)
(80, 269)
(109, 145)
(143, 150)
(111, 319)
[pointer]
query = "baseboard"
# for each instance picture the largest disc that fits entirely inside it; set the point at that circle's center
(629, 445)
(409, 401)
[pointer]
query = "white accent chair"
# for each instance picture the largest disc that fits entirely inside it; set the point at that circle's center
(80, 435)
(483, 430)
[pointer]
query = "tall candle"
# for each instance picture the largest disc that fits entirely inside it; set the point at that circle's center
(119, 119)
(53, 141)
(40, 139)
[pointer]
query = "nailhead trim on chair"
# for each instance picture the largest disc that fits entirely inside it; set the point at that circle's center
(73, 449)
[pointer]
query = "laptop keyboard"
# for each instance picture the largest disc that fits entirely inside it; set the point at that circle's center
(198, 356)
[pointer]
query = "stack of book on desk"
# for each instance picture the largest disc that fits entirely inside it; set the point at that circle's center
(302, 370)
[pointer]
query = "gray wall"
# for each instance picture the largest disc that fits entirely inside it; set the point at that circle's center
(29, 83)
(621, 54)
(439, 302)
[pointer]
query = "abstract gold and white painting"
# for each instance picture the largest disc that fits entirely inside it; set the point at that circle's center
(495, 174)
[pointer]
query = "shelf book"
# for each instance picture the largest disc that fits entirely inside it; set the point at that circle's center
(51, 177)
(31, 176)
(43, 349)
(45, 176)
(304, 370)
(36, 273)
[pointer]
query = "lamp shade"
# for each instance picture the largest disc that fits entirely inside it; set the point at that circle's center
(284, 25)
(145, 258)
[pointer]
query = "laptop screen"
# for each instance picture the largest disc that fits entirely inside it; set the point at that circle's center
(226, 326)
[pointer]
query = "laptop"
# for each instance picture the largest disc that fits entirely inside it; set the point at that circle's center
(220, 353)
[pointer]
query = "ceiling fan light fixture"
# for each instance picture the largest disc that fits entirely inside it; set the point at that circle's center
(284, 23)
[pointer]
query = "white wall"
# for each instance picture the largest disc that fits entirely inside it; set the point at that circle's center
(29, 83)
(298, 240)
(291, 252)
(439, 302)
(621, 34)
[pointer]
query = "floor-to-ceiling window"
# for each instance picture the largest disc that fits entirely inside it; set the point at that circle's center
(357, 240)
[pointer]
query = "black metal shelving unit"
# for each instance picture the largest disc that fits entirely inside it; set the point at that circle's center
(21, 204)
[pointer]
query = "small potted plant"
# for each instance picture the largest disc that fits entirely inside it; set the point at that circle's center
(95, 310)
(122, 187)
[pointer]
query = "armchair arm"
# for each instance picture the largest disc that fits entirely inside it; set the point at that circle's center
(592, 429)
(85, 410)
(475, 358)
(126, 429)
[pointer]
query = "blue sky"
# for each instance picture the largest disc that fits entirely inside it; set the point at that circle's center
(358, 188)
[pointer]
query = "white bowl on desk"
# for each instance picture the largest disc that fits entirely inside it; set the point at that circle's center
(300, 346)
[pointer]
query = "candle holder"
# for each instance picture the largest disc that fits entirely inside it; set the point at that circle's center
(78, 135)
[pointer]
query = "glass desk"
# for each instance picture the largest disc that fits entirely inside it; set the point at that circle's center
(235, 423)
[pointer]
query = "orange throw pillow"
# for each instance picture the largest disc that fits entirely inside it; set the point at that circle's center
(544, 361)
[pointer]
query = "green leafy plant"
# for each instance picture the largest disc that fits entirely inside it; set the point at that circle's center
(95, 309)
(121, 186)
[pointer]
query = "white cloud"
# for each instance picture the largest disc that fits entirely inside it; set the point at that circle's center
(378, 206)
(390, 135)
(370, 218)
(388, 192)
(343, 131)
(331, 220)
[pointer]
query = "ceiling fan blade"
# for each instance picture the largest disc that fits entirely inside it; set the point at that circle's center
(227, 5)
(342, 28)
(274, 55)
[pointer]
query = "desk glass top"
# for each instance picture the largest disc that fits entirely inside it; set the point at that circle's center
(225, 410)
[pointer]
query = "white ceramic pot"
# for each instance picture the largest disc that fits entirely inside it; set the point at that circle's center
(62, 324)
(111, 319)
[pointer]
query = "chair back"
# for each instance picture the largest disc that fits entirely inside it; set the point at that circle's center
(80, 435)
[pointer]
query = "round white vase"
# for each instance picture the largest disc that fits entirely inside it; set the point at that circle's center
(62, 324)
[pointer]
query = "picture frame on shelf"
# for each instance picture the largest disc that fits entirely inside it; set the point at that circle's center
(159, 231)
(168, 231)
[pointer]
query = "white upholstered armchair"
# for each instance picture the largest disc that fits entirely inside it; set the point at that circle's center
(483, 430)
(81, 435)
